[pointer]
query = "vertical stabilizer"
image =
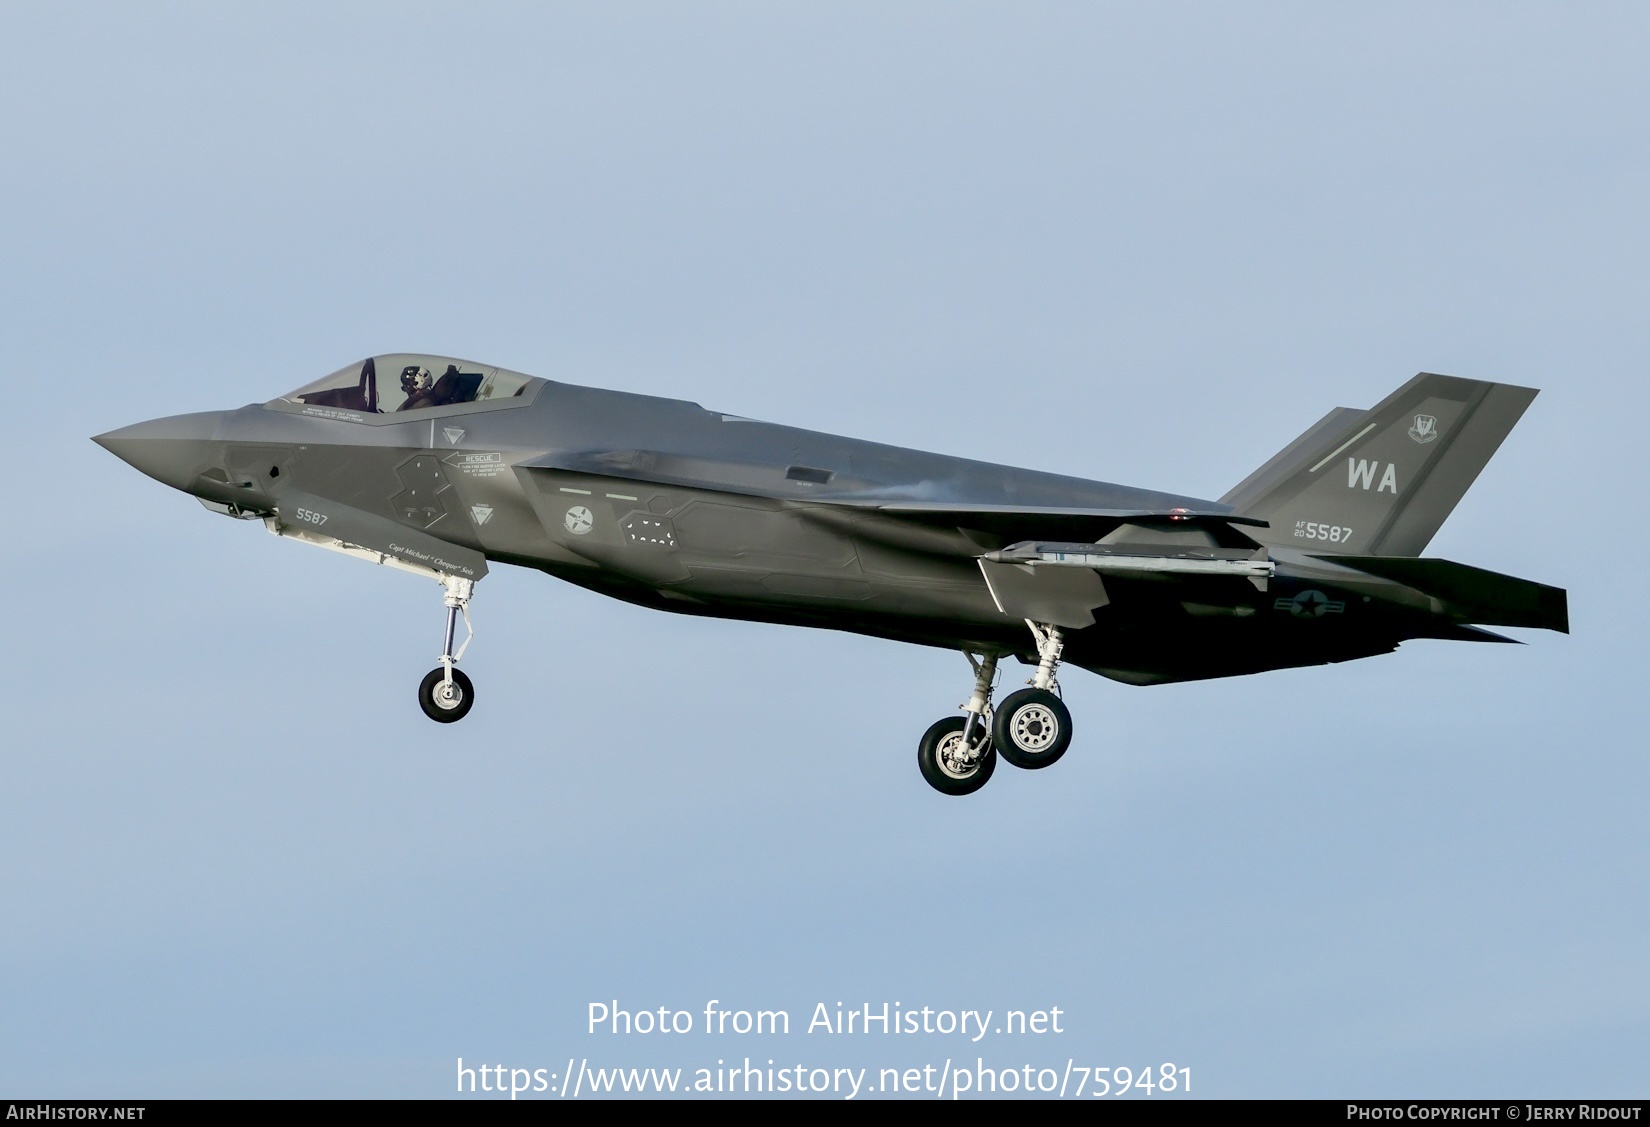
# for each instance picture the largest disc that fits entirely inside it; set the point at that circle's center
(1381, 482)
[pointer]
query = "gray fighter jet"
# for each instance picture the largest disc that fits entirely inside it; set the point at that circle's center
(438, 466)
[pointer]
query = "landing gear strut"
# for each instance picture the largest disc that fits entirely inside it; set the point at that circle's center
(955, 754)
(1032, 729)
(446, 694)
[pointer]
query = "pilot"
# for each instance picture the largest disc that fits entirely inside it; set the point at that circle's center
(417, 382)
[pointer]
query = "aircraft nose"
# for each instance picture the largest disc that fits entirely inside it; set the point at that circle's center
(173, 450)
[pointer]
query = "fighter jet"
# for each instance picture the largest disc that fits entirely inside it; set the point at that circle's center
(439, 467)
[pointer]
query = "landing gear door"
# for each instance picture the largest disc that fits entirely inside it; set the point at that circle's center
(1058, 596)
(318, 520)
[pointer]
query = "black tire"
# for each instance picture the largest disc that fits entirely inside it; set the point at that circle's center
(443, 713)
(935, 758)
(1032, 728)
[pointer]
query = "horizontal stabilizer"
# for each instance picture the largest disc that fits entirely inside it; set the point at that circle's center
(1471, 593)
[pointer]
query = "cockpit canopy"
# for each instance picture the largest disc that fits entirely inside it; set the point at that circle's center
(391, 384)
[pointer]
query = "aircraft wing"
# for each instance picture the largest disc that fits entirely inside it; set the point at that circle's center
(1010, 523)
(1042, 522)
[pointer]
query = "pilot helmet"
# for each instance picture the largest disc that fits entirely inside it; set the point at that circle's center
(415, 379)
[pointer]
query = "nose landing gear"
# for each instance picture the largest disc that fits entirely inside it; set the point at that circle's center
(444, 700)
(446, 694)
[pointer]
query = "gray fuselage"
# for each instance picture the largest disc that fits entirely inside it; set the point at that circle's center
(663, 503)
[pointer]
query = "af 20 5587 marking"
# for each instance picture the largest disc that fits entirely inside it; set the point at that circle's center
(1334, 533)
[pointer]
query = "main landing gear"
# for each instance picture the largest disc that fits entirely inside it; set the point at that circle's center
(1031, 729)
(955, 755)
(446, 694)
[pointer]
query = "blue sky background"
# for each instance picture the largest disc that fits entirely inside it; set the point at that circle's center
(1146, 244)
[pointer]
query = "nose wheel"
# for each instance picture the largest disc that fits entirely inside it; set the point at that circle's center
(446, 694)
(444, 700)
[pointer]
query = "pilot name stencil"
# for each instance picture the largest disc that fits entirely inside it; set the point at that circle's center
(451, 567)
